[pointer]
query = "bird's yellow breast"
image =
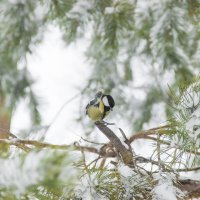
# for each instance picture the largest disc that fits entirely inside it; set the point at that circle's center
(96, 113)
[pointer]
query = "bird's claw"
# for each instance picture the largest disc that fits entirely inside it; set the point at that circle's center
(104, 122)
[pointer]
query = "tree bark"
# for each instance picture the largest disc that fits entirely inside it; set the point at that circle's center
(5, 119)
(192, 187)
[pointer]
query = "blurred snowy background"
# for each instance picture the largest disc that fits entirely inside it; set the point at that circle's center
(59, 72)
(55, 55)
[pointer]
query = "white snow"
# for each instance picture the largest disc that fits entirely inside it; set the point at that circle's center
(109, 10)
(190, 105)
(158, 116)
(165, 190)
(18, 173)
(80, 8)
(125, 171)
(21, 176)
(190, 98)
(17, 1)
(40, 11)
(193, 124)
(86, 188)
(131, 181)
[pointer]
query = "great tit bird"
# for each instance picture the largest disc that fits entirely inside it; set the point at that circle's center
(100, 106)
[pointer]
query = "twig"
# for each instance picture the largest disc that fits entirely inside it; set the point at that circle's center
(158, 151)
(188, 169)
(128, 143)
(8, 132)
(102, 164)
(153, 162)
(165, 167)
(92, 141)
(83, 155)
(61, 109)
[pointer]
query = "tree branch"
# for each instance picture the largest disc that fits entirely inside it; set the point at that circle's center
(124, 153)
(192, 187)
(155, 131)
(146, 133)
(23, 144)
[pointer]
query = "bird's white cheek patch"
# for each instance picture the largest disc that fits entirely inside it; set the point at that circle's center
(105, 101)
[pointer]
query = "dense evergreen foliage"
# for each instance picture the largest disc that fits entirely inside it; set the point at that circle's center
(147, 51)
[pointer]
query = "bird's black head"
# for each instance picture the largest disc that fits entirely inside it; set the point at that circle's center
(110, 101)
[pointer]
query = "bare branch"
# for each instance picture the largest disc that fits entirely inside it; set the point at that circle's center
(128, 143)
(144, 134)
(125, 154)
(97, 143)
(158, 131)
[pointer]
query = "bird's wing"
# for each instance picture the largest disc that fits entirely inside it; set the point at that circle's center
(92, 102)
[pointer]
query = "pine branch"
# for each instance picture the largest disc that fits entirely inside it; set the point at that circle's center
(190, 186)
(158, 131)
(23, 145)
(188, 169)
(175, 146)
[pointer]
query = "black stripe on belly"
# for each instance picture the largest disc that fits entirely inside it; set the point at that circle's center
(106, 109)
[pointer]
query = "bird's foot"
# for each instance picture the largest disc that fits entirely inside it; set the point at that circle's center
(103, 122)
(107, 123)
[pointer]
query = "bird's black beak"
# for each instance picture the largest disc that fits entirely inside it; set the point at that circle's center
(98, 95)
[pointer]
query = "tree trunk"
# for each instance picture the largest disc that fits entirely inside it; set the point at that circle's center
(5, 119)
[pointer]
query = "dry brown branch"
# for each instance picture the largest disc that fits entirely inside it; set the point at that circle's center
(107, 150)
(124, 153)
(192, 187)
(146, 133)
(126, 140)
(97, 143)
